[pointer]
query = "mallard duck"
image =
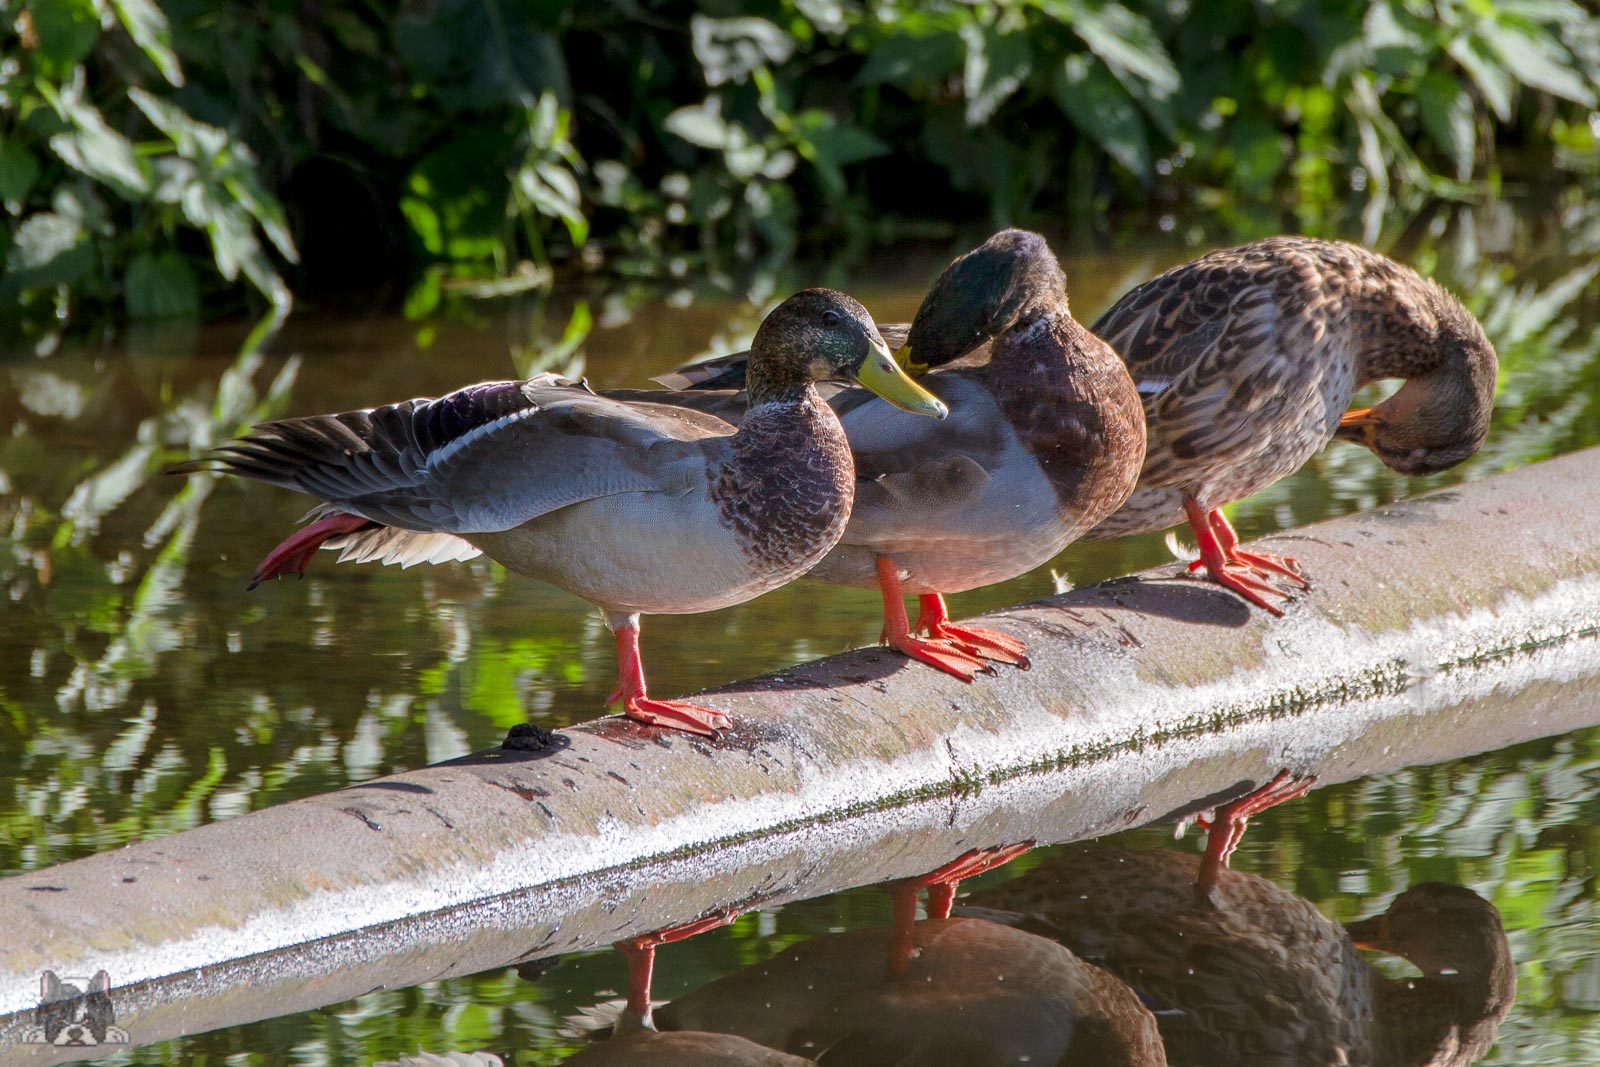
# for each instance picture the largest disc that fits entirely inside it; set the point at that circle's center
(1247, 359)
(637, 508)
(1045, 440)
(635, 1041)
(975, 993)
(1257, 975)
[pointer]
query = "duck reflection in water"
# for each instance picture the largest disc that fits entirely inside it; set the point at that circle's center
(1254, 975)
(636, 1043)
(943, 992)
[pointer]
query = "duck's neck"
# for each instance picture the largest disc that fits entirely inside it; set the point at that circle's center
(1443, 1021)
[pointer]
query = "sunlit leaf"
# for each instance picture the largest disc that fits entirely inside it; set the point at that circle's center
(997, 65)
(1447, 114)
(48, 249)
(1128, 44)
(1490, 77)
(1538, 62)
(148, 27)
(93, 147)
(1098, 105)
(701, 124)
(729, 49)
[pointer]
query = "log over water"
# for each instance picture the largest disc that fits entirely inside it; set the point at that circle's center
(1453, 623)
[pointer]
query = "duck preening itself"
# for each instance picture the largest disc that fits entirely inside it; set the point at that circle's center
(638, 508)
(1247, 359)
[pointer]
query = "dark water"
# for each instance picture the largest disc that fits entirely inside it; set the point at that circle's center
(145, 691)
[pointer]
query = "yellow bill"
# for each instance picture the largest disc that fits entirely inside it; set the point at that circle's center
(909, 365)
(880, 373)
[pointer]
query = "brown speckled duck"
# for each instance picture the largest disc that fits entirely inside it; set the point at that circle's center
(1247, 359)
(1045, 439)
(1255, 975)
(638, 508)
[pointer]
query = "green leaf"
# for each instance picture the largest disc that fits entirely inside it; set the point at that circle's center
(916, 60)
(19, 169)
(830, 146)
(48, 249)
(1447, 115)
(160, 286)
(1539, 62)
(66, 31)
(148, 27)
(730, 49)
(1089, 95)
(700, 124)
(1128, 44)
(997, 65)
(1493, 81)
(93, 147)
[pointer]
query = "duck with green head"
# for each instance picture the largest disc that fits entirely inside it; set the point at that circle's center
(1044, 440)
(638, 508)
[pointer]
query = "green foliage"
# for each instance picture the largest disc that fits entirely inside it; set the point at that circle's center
(473, 139)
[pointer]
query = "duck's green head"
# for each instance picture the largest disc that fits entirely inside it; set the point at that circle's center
(822, 335)
(1007, 279)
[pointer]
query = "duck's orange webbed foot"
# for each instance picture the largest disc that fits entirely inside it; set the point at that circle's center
(1245, 573)
(897, 634)
(637, 705)
(934, 620)
(941, 883)
(1226, 826)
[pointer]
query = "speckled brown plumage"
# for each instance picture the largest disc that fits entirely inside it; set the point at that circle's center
(787, 514)
(1256, 976)
(1248, 357)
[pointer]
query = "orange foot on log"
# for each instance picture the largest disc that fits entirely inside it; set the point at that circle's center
(1247, 573)
(934, 620)
(670, 714)
(935, 652)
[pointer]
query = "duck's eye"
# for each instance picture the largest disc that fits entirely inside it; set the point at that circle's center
(830, 318)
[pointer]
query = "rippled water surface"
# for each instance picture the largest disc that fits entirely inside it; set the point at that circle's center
(145, 691)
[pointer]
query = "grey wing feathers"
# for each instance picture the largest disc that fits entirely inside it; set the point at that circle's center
(484, 458)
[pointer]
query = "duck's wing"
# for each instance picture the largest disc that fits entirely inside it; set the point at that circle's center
(912, 474)
(488, 457)
(1206, 351)
(727, 372)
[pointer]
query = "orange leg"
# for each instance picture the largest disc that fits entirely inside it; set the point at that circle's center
(941, 884)
(1237, 576)
(1225, 829)
(897, 631)
(640, 952)
(1264, 564)
(672, 714)
(934, 620)
(296, 550)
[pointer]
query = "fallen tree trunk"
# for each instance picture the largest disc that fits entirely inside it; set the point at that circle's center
(1457, 622)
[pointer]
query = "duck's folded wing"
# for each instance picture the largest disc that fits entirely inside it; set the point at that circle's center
(913, 473)
(727, 372)
(488, 457)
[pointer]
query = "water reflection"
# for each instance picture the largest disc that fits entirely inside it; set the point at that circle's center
(1255, 974)
(1102, 956)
